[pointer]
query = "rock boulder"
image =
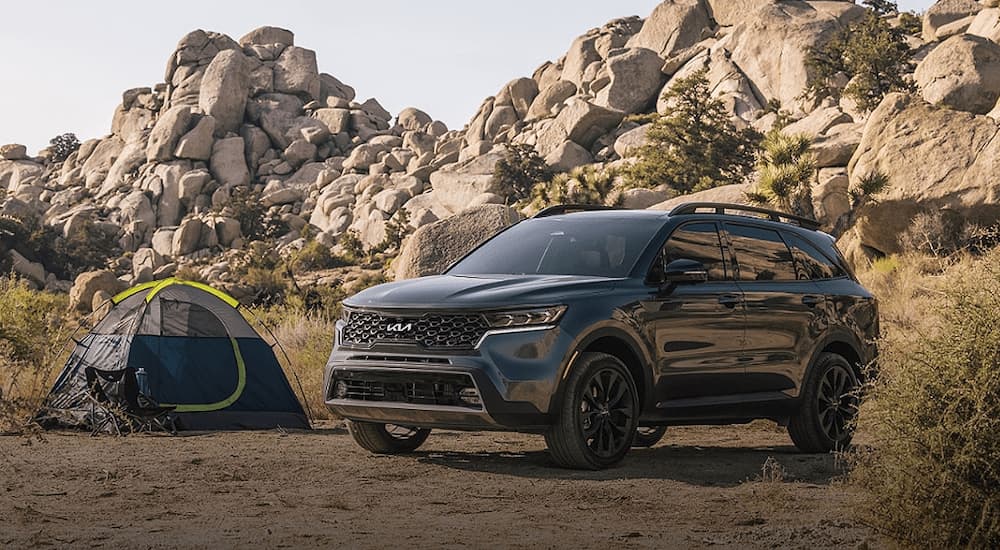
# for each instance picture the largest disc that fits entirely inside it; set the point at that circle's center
(432, 248)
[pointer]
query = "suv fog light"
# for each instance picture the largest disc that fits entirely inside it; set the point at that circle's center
(470, 396)
(340, 390)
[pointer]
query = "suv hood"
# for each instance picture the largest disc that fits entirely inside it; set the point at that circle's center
(480, 291)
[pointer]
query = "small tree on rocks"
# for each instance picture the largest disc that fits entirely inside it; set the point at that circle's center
(694, 145)
(519, 170)
(62, 146)
(871, 53)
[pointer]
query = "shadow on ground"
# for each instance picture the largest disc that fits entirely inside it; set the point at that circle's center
(705, 466)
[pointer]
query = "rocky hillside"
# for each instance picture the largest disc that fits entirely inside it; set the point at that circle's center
(248, 124)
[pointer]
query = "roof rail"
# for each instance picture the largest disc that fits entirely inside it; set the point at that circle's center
(724, 208)
(560, 209)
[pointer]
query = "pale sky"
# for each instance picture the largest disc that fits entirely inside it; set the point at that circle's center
(66, 63)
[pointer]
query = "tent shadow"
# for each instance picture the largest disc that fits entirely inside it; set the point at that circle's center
(705, 466)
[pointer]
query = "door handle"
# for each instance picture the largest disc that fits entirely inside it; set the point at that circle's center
(730, 300)
(812, 301)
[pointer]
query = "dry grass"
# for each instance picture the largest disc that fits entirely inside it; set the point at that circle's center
(307, 337)
(34, 329)
(932, 472)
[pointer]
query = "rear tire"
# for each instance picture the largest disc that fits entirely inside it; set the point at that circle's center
(647, 437)
(597, 418)
(829, 407)
(387, 439)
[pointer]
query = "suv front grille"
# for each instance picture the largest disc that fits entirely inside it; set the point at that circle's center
(403, 387)
(435, 331)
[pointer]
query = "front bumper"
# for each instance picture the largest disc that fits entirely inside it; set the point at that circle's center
(514, 375)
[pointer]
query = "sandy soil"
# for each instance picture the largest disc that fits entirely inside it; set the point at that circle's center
(700, 487)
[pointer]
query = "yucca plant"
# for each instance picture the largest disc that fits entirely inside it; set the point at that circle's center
(582, 185)
(786, 170)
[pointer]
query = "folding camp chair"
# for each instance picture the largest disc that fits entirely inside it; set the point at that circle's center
(116, 402)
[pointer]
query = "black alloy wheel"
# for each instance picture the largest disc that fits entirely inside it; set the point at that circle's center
(598, 415)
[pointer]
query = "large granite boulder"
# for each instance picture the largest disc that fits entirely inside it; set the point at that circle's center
(934, 158)
(962, 73)
(432, 248)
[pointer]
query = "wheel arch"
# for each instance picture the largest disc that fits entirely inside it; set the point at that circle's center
(619, 343)
(846, 345)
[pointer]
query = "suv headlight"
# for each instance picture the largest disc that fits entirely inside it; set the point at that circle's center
(525, 317)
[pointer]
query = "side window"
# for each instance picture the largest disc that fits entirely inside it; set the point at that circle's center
(693, 241)
(761, 254)
(811, 263)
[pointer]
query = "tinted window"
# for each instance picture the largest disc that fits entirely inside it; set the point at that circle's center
(694, 241)
(761, 254)
(598, 246)
(811, 263)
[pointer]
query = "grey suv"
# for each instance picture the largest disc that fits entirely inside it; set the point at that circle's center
(599, 328)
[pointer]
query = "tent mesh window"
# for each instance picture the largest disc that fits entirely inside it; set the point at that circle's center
(190, 320)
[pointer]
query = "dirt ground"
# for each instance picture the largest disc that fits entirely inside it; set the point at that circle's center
(700, 487)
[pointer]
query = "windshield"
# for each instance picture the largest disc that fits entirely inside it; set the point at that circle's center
(597, 247)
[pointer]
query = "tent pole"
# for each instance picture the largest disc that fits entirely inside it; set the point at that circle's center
(298, 381)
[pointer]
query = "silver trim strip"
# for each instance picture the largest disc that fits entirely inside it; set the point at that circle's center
(512, 330)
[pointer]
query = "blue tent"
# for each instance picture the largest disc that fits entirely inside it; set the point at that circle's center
(191, 350)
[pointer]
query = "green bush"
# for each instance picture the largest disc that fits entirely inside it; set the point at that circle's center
(33, 331)
(786, 170)
(519, 170)
(932, 474)
(354, 249)
(694, 145)
(314, 256)
(87, 249)
(62, 146)
(396, 230)
(582, 185)
(870, 52)
(255, 224)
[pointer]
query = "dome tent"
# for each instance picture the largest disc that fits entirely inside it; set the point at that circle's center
(191, 350)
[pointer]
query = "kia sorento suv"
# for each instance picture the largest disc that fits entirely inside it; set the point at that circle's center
(599, 328)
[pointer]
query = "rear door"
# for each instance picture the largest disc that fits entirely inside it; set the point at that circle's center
(697, 328)
(784, 308)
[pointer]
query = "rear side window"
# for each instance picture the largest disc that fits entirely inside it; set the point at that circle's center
(761, 254)
(810, 262)
(693, 241)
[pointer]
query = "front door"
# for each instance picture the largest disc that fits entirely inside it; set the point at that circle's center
(697, 328)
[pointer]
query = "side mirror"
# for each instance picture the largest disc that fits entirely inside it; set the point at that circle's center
(685, 271)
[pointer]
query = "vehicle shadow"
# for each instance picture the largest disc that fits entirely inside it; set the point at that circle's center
(705, 466)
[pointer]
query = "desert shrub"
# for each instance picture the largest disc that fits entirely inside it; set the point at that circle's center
(189, 273)
(33, 331)
(519, 170)
(255, 224)
(313, 256)
(396, 230)
(87, 249)
(269, 285)
(62, 146)
(942, 233)
(582, 185)
(910, 23)
(932, 473)
(694, 145)
(786, 170)
(354, 249)
(870, 52)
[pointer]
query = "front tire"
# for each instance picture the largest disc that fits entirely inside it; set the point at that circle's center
(597, 419)
(387, 439)
(829, 407)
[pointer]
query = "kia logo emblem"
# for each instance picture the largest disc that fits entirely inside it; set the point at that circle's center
(400, 327)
